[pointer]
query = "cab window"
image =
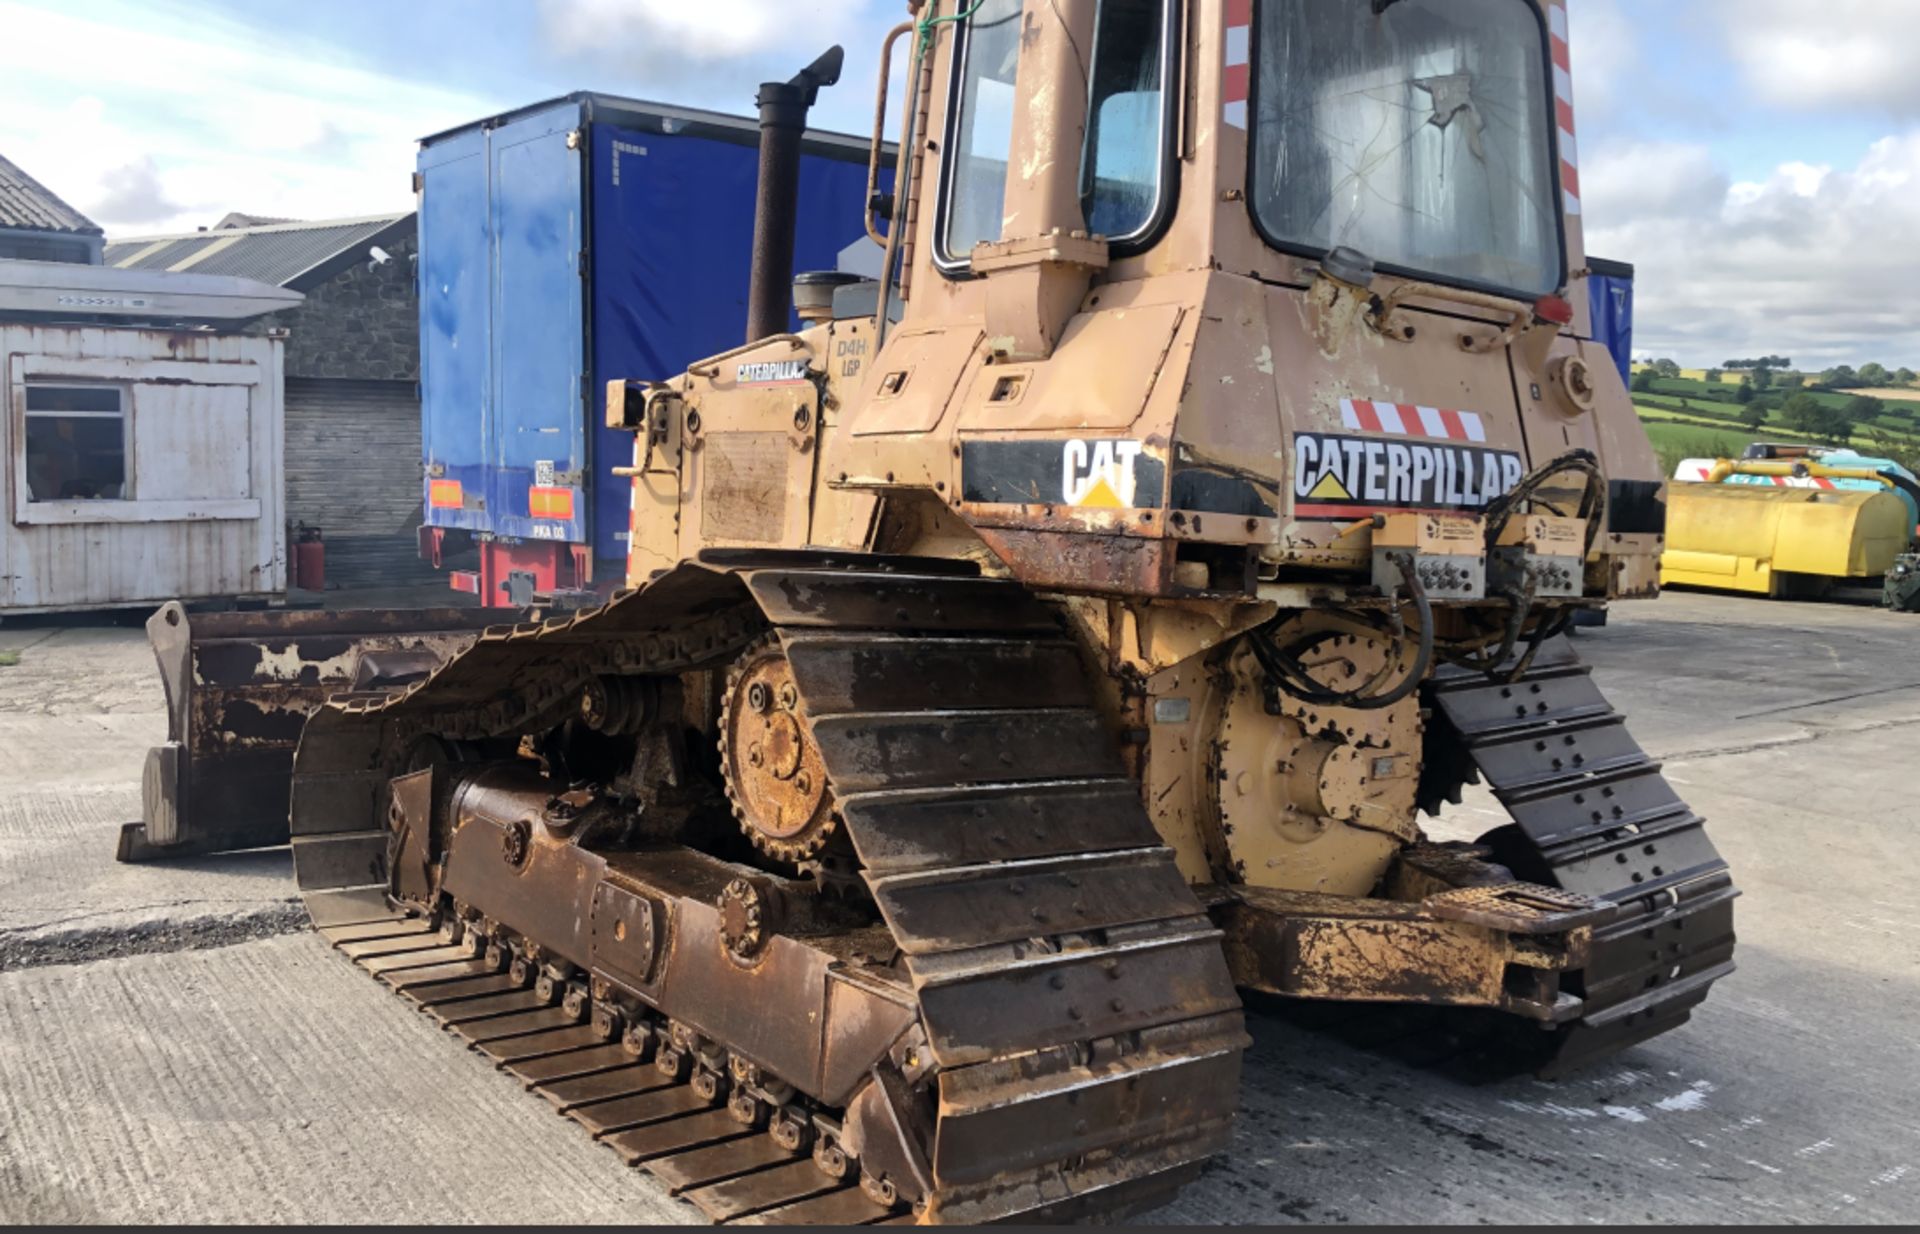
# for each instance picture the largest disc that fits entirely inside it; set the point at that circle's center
(1123, 166)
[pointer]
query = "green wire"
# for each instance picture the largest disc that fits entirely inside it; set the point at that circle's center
(926, 25)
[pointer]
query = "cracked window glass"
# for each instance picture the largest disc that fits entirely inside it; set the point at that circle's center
(1417, 135)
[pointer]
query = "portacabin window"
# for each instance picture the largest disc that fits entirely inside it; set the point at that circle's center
(76, 442)
(1124, 167)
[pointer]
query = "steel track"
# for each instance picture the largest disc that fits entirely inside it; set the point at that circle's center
(1070, 986)
(1593, 814)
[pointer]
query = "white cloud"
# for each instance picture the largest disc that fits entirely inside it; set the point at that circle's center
(1643, 180)
(1606, 53)
(674, 41)
(1811, 262)
(174, 117)
(133, 196)
(1845, 54)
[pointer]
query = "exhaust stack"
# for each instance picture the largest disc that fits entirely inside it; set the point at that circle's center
(783, 120)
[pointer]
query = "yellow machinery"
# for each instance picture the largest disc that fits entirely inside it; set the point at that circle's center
(1062, 633)
(1782, 540)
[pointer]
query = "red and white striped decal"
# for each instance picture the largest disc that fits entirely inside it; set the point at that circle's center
(1407, 420)
(1563, 103)
(1702, 470)
(1237, 84)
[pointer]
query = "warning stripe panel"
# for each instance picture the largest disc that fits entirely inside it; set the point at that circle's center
(1236, 85)
(1408, 420)
(1563, 103)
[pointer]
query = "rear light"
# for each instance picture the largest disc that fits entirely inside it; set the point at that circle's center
(555, 503)
(445, 494)
(1554, 309)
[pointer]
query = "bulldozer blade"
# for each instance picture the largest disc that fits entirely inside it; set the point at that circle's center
(239, 687)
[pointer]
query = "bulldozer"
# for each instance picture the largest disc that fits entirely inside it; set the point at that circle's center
(1064, 633)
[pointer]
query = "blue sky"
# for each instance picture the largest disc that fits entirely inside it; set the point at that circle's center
(1759, 160)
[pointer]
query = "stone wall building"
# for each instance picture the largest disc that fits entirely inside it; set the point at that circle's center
(352, 374)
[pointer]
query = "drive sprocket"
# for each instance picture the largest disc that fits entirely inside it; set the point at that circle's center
(775, 778)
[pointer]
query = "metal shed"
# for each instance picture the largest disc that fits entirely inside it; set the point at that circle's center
(143, 440)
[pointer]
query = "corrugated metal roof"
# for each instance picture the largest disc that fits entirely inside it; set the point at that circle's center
(162, 258)
(280, 254)
(28, 204)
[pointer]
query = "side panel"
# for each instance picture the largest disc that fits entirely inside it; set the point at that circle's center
(672, 243)
(537, 438)
(1611, 298)
(456, 304)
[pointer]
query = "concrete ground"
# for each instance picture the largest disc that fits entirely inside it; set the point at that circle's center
(173, 1047)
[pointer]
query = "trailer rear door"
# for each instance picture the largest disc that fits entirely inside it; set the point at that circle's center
(537, 445)
(456, 299)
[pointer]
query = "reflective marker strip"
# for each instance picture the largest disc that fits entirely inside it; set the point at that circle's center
(445, 494)
(1236, 82)
(550, 502)
(1563, 103)
(1407, 420)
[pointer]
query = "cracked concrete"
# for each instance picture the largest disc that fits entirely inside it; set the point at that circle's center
(265, 1080)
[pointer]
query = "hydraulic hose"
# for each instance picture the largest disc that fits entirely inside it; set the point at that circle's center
(1285, 672)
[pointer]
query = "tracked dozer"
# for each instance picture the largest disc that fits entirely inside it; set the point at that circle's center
(1064, 633)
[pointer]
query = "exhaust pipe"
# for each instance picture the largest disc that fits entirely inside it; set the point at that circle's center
(783, 121)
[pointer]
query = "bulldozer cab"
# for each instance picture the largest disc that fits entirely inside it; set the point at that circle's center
(1205, 284)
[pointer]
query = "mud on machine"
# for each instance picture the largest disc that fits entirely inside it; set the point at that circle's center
(1048, 640)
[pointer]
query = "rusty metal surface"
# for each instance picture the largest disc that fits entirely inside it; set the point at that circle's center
(1505, 951)
(239, 689)
(1112, 948)
(701, 1166)
(677, 1135)
(570, 1092)
(775, 778)
(439, 986)
(782, 1185)
(621, 1113)
(867, 751)
(857, 600)
(864, 672)
(442, 983)
(848, 1206)
(510, 1050)
(1004, 902)
(1087, 562)
(916, 829)
(594, 1059)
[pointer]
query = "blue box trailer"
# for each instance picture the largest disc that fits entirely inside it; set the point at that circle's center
(1610, 295)
(563, 245)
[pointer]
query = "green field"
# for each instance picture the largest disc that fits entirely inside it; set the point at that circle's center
(1692, 419)
(1667, 396)
(1673, 442)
